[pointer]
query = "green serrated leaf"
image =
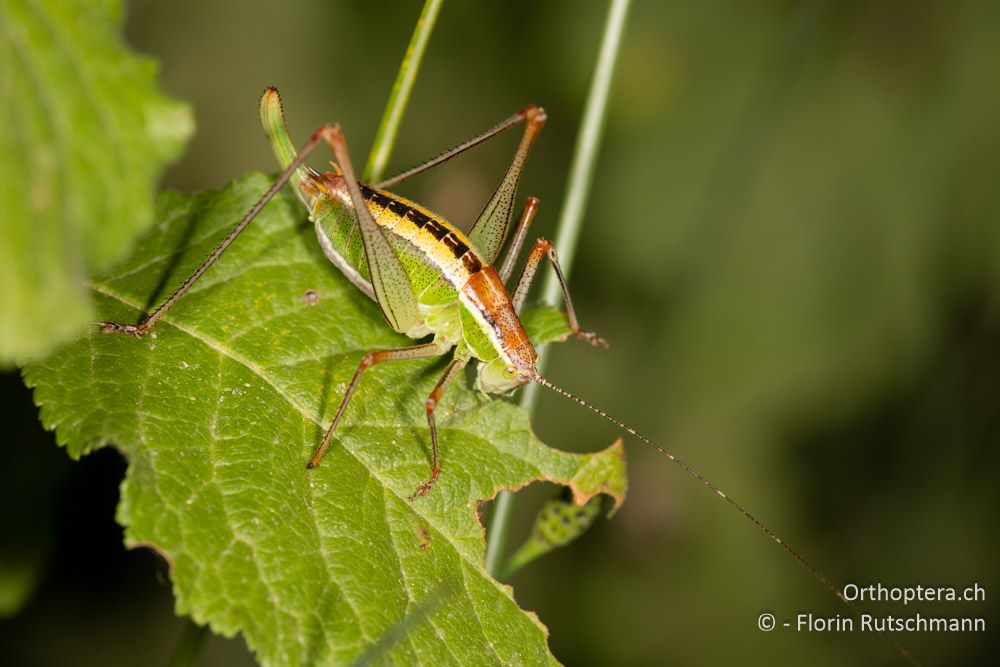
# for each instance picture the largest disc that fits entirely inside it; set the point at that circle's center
(84, 135)
(218, 411)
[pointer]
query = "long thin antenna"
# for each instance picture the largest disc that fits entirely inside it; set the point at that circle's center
(719, 492)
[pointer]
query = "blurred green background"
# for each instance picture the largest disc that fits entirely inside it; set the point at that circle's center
(793, 246)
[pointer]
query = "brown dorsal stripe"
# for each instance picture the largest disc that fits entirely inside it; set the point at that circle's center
(373, 197)
(417, 218)
(398, 207)
(455, 244)
(437, 230)
(459, 249)
(472, 265)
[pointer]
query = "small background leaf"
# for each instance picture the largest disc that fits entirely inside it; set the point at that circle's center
(559, 523)
(218, 411)
(17, 581)
(84, 135)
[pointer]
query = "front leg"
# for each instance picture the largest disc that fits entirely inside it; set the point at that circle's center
(541, 249)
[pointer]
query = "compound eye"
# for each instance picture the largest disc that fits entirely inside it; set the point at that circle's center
(509, 372)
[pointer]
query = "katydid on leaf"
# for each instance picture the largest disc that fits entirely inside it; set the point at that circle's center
(430, 279)
(426, 275)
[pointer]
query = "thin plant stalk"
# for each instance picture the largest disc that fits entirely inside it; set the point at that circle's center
(581, 177)
(392, 117)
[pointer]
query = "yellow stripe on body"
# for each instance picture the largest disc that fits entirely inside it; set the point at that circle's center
(430, 234)
(448, 250)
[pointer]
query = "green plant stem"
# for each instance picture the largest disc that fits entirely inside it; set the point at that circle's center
(190, 643)
(385, 138)
(581, 177)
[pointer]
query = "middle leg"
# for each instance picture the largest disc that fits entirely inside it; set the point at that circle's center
(454, 368)
(370, 359)
(527, 215)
